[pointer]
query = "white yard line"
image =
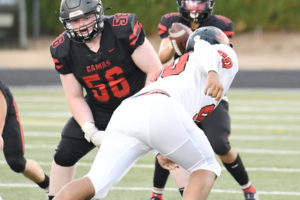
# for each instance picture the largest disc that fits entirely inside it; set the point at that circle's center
(273, 109)
(232, 137)
(266, 127)
(20, 185)
(242, 150)
(260, 138)
(266, 117)
(151, 166)
(263, 102)
(236, 116)
(45, 124)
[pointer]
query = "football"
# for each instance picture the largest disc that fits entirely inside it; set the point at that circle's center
(179, 34)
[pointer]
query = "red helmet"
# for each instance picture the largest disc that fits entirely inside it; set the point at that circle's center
(195, 10)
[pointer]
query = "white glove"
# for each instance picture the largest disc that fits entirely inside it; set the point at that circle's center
(92, 134)
(97, 138)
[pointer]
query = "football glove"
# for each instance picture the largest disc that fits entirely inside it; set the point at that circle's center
(92, 134)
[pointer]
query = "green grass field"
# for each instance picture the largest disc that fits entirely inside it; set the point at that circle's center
(265, 130)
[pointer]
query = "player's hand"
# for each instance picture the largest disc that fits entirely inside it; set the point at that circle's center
(97, 138)
(166, 163)
(92, 134)
(214, 86)
(1, 143)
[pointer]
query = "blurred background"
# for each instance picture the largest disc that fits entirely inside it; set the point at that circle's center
(267, 33)
(264, 99)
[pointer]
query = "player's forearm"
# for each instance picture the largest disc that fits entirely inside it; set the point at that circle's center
(166, 51)
(166, 54)
(80, 110)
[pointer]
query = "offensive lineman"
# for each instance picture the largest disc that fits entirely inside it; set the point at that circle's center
(194, 14)
(108, 56)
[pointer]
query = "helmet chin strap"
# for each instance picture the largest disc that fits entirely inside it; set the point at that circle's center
(87, 32)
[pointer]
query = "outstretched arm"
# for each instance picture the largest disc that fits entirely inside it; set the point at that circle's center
(214, 86)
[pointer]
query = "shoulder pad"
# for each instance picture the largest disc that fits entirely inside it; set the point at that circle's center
(166, 22)
(227, 23)
(60, 46)
(228, 27)
(124, 24)
(59, 49)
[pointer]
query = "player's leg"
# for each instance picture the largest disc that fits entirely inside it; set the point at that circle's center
(14, 148)
(183, 142)
(118, 152)
(160, 178)
(180, 176)
(68, 152)
(218, 135)
(78, 189)
(191, 191)
(34, 172)
(59, 176)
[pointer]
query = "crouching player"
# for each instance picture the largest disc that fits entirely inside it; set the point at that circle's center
(160, 118)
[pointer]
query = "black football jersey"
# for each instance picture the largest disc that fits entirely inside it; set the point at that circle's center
(221, 22)
(7, 95)
(110, 75)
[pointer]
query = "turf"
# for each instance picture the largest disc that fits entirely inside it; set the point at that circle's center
(265, 130)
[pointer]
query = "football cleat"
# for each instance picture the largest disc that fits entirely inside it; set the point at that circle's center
(155, 198)
(250, 193)
(251, 196)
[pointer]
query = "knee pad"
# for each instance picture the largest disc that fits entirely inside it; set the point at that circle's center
(65, 158)
(16, 162)
(220, 146)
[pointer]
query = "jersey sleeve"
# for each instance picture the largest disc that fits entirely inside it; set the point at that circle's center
(228, 65)
(128, 29)
(59, 50)
(206, 56)
(165, 24)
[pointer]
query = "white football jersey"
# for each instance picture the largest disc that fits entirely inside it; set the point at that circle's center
(185, 79)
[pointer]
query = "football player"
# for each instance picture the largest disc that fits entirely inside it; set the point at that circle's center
(160, 118)
(12, 141)
(195, 14)
(109, 57)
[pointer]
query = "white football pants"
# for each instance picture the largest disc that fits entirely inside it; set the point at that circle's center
(144, 123)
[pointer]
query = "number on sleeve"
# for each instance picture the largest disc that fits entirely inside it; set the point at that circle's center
(204, 112)
(226, 61)
(173, 69)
